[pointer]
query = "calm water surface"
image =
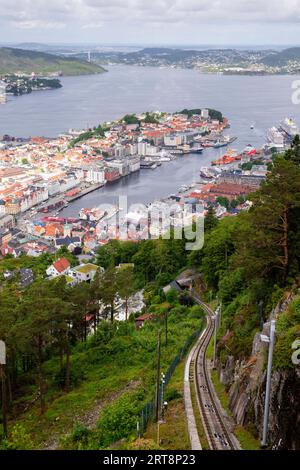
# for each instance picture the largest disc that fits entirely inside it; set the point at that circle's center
(88, 100)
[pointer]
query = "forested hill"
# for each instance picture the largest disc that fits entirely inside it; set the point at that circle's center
(19, 60)
(63, 359)
(281, 58)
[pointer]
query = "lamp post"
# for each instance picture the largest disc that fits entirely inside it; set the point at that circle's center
(3, 385)
(138, 431)
(215, 318)
(268, 339)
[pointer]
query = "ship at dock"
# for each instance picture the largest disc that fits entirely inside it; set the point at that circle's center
(3, 97)
(289, 127)
(276, 138)
(227, 140)
(231, 156)
(196, 149)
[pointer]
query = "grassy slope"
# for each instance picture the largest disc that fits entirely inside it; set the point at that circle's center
(18, 60)
(174, 432)
(109, 371)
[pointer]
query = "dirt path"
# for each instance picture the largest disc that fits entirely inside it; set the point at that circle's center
(90, 418)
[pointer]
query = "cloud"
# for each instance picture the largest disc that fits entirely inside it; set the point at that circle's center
(55, 14)
(38, 24)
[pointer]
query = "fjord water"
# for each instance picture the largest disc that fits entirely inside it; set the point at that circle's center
(88, 100)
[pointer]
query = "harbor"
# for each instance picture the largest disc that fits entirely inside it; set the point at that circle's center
(86, 188)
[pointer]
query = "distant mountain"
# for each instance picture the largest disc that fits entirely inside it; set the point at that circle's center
(161, 56)
(279, 59)
(32, 46)
(228, 61)
(27, 61)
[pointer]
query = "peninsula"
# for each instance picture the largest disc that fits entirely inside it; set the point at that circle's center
(19, 61)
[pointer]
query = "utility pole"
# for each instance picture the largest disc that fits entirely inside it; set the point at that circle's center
(3, 386)
(160, 419)
(157, 377)
(260, 309)
(166, 327)
(162, 404)
(271, 341)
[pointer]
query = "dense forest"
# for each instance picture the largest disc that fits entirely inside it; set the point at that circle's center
(248, 262)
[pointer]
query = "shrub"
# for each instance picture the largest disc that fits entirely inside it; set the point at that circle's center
(172, 394)
(172, 296)
(196, 312)
(283, 348)
(19, 439)
(80, 433)
(118, 420)
(77, 375)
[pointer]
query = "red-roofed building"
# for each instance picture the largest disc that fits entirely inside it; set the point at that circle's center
(59, 267)
(139, 321)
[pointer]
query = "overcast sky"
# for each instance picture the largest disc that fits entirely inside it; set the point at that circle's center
(222, 22)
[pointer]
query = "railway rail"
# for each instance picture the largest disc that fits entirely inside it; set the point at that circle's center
(216, 424)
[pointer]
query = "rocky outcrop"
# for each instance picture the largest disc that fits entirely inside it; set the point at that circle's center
(246, 382)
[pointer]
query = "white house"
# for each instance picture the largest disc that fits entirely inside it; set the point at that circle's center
(84, 272)
(59, 267)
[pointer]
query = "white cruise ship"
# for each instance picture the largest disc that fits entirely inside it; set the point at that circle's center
(289, 126)
(2, 92)
(275, 137)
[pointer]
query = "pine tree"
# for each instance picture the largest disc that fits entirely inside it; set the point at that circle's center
(106, 289)
(293, 154)
(211, 220)
(267, 239)
(39, 313)
(126, 285)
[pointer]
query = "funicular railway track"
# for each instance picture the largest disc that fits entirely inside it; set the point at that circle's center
(214, 420)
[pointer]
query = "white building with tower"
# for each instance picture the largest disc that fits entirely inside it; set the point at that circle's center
(204, 113)
(2, 92)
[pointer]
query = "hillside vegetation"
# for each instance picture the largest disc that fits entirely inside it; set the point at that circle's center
(251, 260)
(111, 375)
(24, 61)
(57, 373)
(279, 59)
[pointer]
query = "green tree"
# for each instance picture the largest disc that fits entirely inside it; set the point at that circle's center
(130, 119)
(267, 241)
(218, 248)
(9, 300)
(293, 154)
(85, 302)
(109, 255)
(143, 262)
(126, 285)
(223, 201)
(39, 313)
(106, 289)
(211, 220)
